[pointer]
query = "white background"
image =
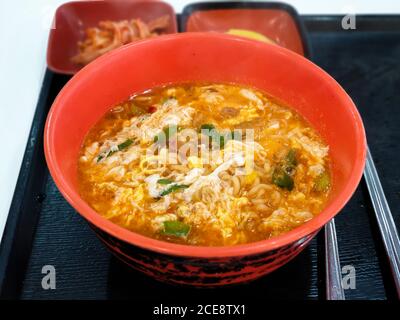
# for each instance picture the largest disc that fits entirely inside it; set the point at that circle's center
(24, 27)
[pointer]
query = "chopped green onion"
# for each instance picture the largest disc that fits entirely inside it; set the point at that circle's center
(173, 188)
(125, 144)
(164, 181)
(322, 182)
(111, 152)
(291, 158)
(176, 228)
(120, 147)
(282, 179)
(100, 157)
(282, 175)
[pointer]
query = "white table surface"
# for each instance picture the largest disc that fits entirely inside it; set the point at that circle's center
(24, 27)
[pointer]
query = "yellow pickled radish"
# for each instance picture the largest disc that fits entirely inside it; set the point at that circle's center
(250, 35)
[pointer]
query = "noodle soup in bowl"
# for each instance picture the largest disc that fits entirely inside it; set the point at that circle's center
(280, 150)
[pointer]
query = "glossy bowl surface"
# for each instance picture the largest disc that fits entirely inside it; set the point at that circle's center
(214, 58)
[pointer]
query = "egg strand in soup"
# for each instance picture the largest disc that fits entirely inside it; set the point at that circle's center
(204, 164)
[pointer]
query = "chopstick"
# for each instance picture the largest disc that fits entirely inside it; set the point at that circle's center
(334, 289)
(384, 217)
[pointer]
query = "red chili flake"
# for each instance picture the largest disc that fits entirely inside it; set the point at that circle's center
(152, 109)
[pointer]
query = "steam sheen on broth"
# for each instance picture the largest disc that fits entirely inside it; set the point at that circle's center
(204, 164)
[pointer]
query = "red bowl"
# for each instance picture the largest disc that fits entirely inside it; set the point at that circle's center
(213, 58)
(73, 18)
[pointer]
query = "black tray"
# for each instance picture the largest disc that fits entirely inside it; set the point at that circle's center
(42, 229)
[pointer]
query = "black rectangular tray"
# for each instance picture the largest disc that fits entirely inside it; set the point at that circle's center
(43, 229)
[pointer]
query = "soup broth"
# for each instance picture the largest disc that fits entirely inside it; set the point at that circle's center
(204, 164)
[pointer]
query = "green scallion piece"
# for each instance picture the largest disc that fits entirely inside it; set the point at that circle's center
(176, 228)
(282, 179)
(164, 181)
(125, 144)
(173, 188)
(322, 182)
